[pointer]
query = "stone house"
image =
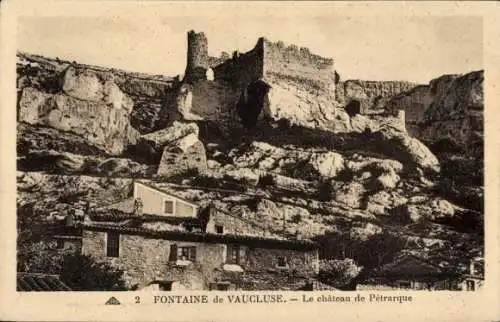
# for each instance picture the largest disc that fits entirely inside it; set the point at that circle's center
(168, 242)
(474, 280)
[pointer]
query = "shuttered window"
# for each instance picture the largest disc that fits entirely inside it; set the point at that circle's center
(168, 207)
(113, 244)
(173, 253)
(233, 254)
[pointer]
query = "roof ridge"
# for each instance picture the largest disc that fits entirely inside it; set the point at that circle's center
(233, 237)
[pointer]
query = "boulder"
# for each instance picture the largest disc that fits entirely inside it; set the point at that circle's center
(387, 181)
(122, 167)
(328, 164)
(350, 194)
(244, 174)
(382, 202)
(87, 85)
(406, 149)
(181, 157)
(170, 134)
(434, 209)
(212, 164)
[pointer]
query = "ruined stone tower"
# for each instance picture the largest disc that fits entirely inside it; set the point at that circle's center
(197, 56)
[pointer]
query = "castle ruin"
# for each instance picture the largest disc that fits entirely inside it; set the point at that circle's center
(242, 82)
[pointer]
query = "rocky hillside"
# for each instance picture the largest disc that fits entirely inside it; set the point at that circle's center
(447, 115)
(84, 132)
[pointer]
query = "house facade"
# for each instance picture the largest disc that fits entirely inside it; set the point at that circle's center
(173, 243)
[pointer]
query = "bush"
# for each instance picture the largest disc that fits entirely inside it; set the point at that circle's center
(82, 273)
(251, 203)
(296, 218)
(266, 181)
(205, 181)
(325, 190)
(338, 273)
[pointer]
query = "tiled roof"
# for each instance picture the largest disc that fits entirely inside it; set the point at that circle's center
(256, 241)
(31, 282)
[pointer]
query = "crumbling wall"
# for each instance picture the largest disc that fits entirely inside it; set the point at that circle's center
(372, 96)
(242, 69)
(298, 65)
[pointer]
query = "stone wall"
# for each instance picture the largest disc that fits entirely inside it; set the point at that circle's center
(298, 65)
(242, 69)
(232, 224)
(146, 260)
(371, 95)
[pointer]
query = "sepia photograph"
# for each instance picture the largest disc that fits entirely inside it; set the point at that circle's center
(339, 153)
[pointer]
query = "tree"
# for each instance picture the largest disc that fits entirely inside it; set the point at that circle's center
(82, 273)
(338, 273)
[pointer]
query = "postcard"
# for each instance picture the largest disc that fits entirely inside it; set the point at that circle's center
(206, 161)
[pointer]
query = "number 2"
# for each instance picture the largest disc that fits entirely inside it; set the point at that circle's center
(137, 299)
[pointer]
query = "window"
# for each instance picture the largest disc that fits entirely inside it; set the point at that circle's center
(219, 229)
(233, 254)
(161, 286)
(185, 253)
(219, 286)
(113, 244)
(59, 244)
(168, 207)
(471, 285)
(281, 261)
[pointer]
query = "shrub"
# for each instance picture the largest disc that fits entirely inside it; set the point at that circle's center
(345, 175)
(325, 190)
(266, 181)
(191, 172)
(296, 218)
(251, 203)
(338, 272)
(82, 273)
(205, 181)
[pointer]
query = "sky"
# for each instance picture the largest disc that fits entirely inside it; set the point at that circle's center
(369, 47)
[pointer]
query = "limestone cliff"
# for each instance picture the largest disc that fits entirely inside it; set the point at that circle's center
(450, 108)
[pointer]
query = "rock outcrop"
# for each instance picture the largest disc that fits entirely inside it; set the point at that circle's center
(103, 125)
(150, 100)
(406, 149)
(179, 147)
(449, 108)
